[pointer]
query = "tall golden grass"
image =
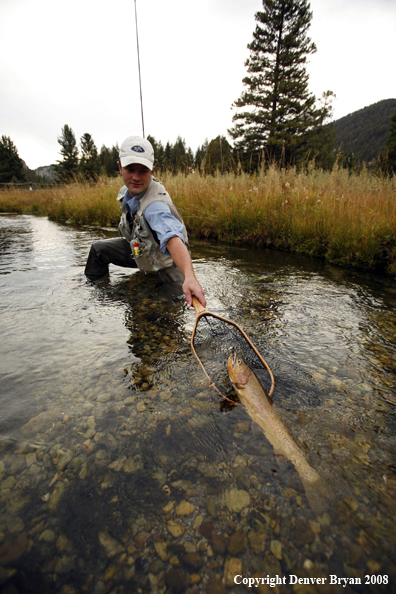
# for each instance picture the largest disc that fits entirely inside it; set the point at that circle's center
(79, 202)
(348, 218)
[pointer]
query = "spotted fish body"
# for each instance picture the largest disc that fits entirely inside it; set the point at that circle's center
(262, 411)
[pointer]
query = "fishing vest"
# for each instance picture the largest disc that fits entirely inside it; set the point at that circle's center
(148, 255)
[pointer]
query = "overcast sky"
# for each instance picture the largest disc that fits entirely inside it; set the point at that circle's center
(75, 63)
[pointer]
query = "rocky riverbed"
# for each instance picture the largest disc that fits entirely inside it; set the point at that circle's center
(122, 471)
(142, 482)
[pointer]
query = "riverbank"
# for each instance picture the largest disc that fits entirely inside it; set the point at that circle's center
(348, 219)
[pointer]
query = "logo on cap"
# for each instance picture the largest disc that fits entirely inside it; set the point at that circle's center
(137, 149)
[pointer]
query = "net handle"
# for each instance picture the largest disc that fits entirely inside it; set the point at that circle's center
(200, 311)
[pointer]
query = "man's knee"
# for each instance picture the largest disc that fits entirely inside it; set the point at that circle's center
(99, 247)
(95, 267)
(109, 251)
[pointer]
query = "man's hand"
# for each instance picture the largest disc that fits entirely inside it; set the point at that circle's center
(182, 259)
(192, 287)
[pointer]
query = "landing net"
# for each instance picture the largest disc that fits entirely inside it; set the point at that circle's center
(212, 340)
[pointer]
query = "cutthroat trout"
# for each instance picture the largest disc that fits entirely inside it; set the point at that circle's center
(262, 411)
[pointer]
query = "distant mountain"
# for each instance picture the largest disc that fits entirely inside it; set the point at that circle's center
(365, 132)
(47, 171)
(41, 175)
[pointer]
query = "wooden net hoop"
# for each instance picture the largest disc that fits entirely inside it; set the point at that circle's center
(201, 311)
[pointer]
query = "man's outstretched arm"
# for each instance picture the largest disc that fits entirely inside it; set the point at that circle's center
(182, 259)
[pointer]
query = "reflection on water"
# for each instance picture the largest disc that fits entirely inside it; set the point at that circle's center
(121, 471)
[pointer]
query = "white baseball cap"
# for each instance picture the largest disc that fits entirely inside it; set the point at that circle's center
(136, 149)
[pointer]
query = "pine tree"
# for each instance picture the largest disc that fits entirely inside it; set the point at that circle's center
(219, 156)
(168, 156)
(159, 153)
(11, 165)
(89, 165)
(109, 160)
(104, 157)
(180, 160)
(201, 153)
(277, 112)
(68, 167)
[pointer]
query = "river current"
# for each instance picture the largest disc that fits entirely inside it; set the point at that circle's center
(122, 471)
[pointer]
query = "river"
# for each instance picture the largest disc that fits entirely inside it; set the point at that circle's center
(123, 471)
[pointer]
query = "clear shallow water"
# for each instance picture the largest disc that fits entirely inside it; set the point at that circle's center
(123, 472)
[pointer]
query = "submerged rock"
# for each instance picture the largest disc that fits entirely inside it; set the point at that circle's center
(9, 483)
(6, 574)
(118, 464)
(237, 543)
(206, 529)
(47, 536)
(175, 581)
(236, 500)
(257, 541)
(192, 560)
(161, 548)
(65, 457)
(215, 585)
(232, 567)
(132, 465)
(276, 549)
(56, 495)
(212, 506)
(13, 548)
(175, 529)
(111, 546)
(83, 472)
(218, 544)
(184, 509)
(40, 422)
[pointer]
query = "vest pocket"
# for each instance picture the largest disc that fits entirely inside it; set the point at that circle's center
(147, 258)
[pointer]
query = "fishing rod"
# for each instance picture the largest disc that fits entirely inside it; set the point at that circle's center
(140, 78)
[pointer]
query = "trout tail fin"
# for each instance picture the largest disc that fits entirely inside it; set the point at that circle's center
(318, 493)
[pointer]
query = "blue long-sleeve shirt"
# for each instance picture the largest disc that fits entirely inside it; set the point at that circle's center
(160, 219)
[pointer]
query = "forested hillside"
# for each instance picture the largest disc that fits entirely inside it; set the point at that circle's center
(365, 132)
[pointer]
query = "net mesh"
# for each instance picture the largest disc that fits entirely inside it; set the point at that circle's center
(212, 340)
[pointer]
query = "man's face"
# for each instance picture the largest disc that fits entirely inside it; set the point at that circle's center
(136, 177)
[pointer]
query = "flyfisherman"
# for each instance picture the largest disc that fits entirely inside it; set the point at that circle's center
(154, 237)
